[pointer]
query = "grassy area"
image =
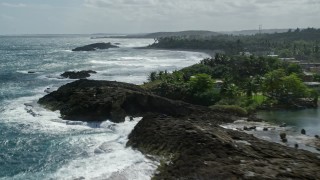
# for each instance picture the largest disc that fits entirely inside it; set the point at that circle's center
(248, 104)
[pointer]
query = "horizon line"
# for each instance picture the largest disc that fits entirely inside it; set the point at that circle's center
(52, 34)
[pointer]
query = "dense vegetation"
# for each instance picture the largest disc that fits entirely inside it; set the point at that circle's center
(300, 44)
(247, 82)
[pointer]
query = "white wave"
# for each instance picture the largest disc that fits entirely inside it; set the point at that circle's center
(31, 71)
(24, 113)
(135, 69)
(104, 144)
(106, 154)
(66, 50)
(29, 121)
(108, 157)
(103, 155)
(138, 58)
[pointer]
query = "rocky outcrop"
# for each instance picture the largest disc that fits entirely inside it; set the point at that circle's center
(306, 103)
(77, 74)
(301, 103)
(90, 100)
(199, 149)
(95, 46)
(189, 137)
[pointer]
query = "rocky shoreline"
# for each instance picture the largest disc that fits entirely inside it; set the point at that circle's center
(209, 52)
(77, 74)
(95, 46)
(188, 137)
(199, 149)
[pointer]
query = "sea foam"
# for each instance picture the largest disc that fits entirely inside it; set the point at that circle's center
(108, 157)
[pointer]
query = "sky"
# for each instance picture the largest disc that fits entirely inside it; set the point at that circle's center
(141, 16)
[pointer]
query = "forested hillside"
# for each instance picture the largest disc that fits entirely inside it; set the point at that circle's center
(300, 44)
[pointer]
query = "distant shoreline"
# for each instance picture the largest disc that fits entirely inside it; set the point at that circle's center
(211, 53)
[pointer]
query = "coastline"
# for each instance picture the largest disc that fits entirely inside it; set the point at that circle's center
(28, 119)
(270, 131)
(187, 137)
(193, 145)
(211, 53)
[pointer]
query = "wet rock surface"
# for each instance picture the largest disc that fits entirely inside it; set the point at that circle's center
(77, 74)
(199, 149)
(90, 100)
(95, 46)
(189, 137)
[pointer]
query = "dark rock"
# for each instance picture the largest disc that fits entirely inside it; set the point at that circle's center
(197, 150)
(283, 125)
(306, 103)
(47, 90)
(187, 136)
(89, 100)
(80, 178)
(77, 74)
(95, 46)
(303, 131)
(284, 140)
(265, 129)
(254, 118)
(296, 146)
(31, 72)
(252, 128)
(283, 135)
(316, 136)
(245, 128)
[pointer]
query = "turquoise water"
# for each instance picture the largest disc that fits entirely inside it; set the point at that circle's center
(36, 143)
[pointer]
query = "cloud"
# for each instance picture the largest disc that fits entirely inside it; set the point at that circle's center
(122, 16)
(152, 8)
(210, 14)
(185, 8)
(13, 5)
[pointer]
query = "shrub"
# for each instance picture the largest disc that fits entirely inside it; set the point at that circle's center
(201, 83)
(196, 69)
(152, 76)
(206, 98)
(237, 110)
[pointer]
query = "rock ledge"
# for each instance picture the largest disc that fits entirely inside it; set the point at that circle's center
(187, 136)
(95, 46)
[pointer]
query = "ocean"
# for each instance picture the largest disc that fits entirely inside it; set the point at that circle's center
(36, 143)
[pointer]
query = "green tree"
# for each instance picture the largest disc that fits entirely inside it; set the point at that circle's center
(294, 68)
(196, 69)
(272, 83)
(230, 91)
(293, 87)
(202, 90)
(201, 83)
(152, 76)
(316, 49)
(284, 88)
(316, 77)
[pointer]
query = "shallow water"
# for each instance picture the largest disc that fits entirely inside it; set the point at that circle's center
(270, 131)
(36, 143)
(308, 119)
